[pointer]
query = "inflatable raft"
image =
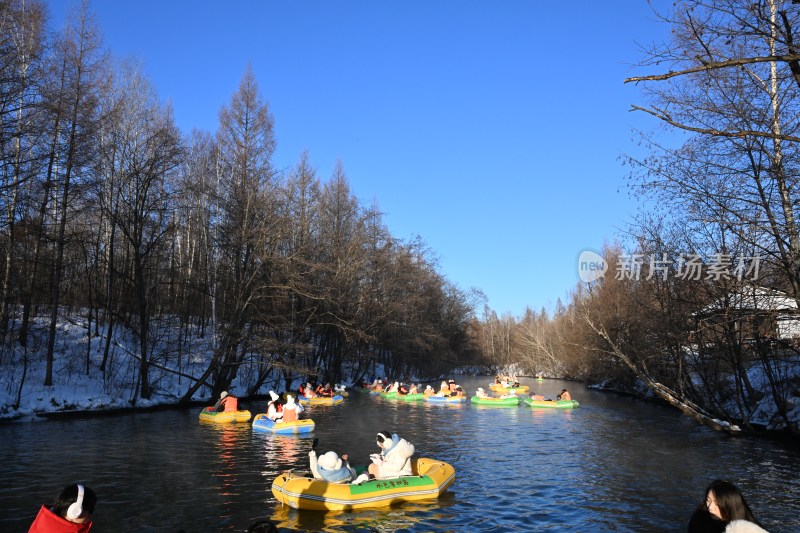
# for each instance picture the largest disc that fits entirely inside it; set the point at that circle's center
(552, 404)
(389, 395)
(506, 402)
(322, 400)
(209, 415)
(446, 399)
(522, 389)
(262, 423)
(417, 397)
(431, 479)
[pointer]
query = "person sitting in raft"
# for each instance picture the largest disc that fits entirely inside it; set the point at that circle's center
(274, 407)
(379, 386)
(71, 512)
(444, 389)
(394, 459)
(402, 389)
(226, 403)
(309, 391)
(428, 391)
(480, 393)
(413, 389)
(565, 395)
(535, 396)
(333, 469)
(455, 390)
(291, 409)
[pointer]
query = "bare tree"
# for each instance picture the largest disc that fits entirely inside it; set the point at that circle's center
(80, 65)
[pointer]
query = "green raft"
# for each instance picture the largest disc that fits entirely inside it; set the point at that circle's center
(505, 402)
(552, 404)
(417, 397)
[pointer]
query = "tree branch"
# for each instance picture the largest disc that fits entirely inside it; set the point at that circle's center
(716, 65)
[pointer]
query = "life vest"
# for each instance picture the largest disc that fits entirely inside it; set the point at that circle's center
(230, 403)
(290, 415)
(537, 397)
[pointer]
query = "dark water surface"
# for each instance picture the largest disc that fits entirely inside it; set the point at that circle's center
(614, 464)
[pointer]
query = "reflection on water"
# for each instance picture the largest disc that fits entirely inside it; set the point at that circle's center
(614, 464)
(391, 519)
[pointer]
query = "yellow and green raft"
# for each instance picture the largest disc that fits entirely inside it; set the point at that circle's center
(430, 480)
(552, 404)
(505, 402)
(499, 389)
(209, 415)
(322, 400)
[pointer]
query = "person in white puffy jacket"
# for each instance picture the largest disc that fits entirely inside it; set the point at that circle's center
(394, 459)
(744, 526)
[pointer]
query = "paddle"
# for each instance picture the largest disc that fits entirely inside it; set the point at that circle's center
(314, 443)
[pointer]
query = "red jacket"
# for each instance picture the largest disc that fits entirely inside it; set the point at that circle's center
(49, 522)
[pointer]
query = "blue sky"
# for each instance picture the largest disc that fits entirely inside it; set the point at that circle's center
(491, 129)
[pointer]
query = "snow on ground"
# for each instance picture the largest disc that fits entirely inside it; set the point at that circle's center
(78, 386)
(81, 386)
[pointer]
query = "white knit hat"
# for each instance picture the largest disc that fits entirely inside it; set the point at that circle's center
(329, 461)
(224, 394)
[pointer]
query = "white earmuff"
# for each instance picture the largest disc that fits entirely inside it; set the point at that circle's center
(75, 510)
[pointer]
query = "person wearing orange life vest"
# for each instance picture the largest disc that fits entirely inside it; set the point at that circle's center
(226, 403)
(565, 395)
(291, 409)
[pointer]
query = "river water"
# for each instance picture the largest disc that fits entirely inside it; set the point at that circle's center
(614, 464)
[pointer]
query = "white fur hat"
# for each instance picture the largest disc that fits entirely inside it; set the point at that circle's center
(329, 461)
(273, 395)
(223, 394)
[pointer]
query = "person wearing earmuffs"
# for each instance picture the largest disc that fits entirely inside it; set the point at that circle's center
(394, 459)
(71, 512)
